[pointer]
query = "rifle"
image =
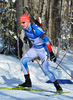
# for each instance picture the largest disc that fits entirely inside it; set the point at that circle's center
(36, 21)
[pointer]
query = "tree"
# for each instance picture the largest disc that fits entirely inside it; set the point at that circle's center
(56, 18)
(19, 10)
(53, 13)
(59, 36)
(7, 26)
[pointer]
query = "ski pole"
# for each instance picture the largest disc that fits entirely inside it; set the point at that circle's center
(61, 61)
(40, 65)
(65, 70)
(38, 62)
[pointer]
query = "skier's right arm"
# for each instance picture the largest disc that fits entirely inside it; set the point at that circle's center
(52, 56)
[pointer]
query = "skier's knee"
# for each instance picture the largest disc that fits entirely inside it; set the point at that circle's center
(45, 67)
(24, 62)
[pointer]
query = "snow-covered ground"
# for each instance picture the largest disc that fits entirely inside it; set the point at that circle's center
(11, 75)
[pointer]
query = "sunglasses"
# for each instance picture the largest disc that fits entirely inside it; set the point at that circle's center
(23, 22)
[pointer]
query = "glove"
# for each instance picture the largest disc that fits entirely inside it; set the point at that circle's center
(25, 39)
(52, 57)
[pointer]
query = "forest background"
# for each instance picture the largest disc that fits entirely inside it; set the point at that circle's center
(56, 17)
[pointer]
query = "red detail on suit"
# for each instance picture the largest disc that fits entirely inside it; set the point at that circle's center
(49, 47)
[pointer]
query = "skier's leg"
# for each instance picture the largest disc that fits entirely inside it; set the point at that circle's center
(30, 54)
(51, 76)
(46, 70)
(45, 67)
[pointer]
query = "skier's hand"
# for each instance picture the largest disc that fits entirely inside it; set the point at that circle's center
(52, 57)
(25, 39)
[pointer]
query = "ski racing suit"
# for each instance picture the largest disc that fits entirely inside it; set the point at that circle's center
(40, 47)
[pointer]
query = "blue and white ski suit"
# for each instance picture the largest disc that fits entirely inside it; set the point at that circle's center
(39, 48)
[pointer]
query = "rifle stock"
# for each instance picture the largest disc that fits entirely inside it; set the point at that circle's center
(35, 21)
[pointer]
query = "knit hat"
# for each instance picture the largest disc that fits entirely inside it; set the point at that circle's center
(25, 18)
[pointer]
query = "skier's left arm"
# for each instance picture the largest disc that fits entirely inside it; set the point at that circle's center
(42, 35)
(52, 56)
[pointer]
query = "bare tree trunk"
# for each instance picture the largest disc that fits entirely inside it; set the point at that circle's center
(71, 19)
(67, 16)
(25, 4)
(63, 11)
(43, 13)
(50, 20)
(35, 9)
(47, 14)
(25, 46)
(59, 39)
(55, 22)
(19, 9)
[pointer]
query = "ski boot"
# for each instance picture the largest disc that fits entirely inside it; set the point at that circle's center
(27, 82)
(58, 87)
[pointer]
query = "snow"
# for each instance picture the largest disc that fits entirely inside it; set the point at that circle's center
(11, 75)
(10, 32)
(12, 0)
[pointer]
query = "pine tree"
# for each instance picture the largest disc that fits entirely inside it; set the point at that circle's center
(8, 21)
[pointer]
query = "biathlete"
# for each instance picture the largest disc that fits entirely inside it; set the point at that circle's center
(40, 48)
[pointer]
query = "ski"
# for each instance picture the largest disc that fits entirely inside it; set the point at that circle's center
(57, 93)
(23, 88)
(38, 90)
